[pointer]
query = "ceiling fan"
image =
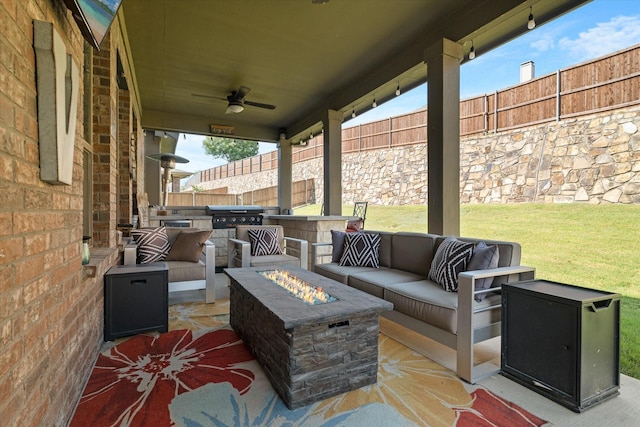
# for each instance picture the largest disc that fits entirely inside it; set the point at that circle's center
(236, 101)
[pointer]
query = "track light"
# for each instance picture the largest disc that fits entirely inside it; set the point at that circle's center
(531, 23)
(398, 90)
(374, 104)
(472, 51)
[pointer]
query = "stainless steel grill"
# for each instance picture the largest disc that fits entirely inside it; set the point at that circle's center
(230, 216)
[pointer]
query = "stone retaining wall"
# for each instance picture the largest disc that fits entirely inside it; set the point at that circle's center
(592, 159)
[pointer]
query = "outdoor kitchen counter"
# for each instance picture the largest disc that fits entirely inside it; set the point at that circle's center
(313, 228)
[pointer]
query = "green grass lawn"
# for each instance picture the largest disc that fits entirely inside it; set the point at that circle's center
(594, 246)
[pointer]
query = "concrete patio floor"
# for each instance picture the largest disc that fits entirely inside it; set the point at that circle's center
(622, 410)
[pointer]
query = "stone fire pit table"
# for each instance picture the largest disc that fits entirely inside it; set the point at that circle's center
(308, 352)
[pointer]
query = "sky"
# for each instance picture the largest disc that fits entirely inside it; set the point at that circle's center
(593, 30)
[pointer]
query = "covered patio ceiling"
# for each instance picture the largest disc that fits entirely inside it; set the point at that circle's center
(303, 56)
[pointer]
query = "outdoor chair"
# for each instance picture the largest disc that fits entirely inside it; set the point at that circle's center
(360, 211)
(266, 245)
(188, 252)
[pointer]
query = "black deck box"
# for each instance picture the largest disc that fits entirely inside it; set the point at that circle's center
(562, 341)
(136, 299)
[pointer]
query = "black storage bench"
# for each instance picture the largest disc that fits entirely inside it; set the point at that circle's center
(136, 299)
(562, 341)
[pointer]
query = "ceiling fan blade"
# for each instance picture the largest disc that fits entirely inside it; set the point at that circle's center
(242, 92)
(260, 105)
(208, 96)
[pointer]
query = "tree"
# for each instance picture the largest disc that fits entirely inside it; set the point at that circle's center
(229, 149)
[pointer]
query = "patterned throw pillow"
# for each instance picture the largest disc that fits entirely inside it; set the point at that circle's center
(450, 259)
(153, 244)
(264, 241)
(484, 257)
(361, 250)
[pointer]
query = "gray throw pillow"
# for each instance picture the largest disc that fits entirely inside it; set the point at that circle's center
(484, 257)
(337, 242)
(452, 257)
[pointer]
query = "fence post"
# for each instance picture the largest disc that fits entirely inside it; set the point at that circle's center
(495, 114)
(486, 113)
(390, 133)
(558, 83)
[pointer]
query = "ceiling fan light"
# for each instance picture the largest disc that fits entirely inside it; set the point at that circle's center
(234, 108)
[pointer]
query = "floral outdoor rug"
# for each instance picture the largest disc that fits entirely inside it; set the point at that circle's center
(205, 376)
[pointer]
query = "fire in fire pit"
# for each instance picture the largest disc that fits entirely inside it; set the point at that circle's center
(300, 289)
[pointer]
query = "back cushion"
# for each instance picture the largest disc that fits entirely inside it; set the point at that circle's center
(509, 254)
(413, 252)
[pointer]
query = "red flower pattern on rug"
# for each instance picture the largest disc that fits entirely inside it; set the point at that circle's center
(133, 383)
(489, 410)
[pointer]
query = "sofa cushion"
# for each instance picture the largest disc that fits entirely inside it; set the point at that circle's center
(425, 300)
(153, 244)
(452, 257)
(412, 252)
(264, 241)
(361, 250)
(374, 281)
(188, 245)
(340, 274)
(484, 257)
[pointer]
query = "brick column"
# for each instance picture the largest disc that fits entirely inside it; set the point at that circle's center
(104, 147)
(125, 149)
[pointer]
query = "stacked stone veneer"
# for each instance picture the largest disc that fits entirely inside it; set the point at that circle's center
(591, 159)
(314, 352)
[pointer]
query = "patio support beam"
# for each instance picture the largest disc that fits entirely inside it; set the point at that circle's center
(332, 127)
(443, 135)
(285, 174)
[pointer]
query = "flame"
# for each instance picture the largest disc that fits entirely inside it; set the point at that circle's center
(298, 287)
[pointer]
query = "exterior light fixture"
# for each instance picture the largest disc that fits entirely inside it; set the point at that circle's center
(353, 114)
(531, 23)
(472, 52)
(374, 104)
(398, 90)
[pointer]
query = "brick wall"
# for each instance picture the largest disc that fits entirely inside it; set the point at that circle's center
(51, 310)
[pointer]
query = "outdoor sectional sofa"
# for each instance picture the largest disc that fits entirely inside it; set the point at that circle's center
(455, 319)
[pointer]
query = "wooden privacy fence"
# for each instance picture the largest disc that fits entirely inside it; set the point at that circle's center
(607, 83)
(303, 193)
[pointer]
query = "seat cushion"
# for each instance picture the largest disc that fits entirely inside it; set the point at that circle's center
(374, 281)
(426, 300)
(183, 271)
(339, 273)
(271, 260)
